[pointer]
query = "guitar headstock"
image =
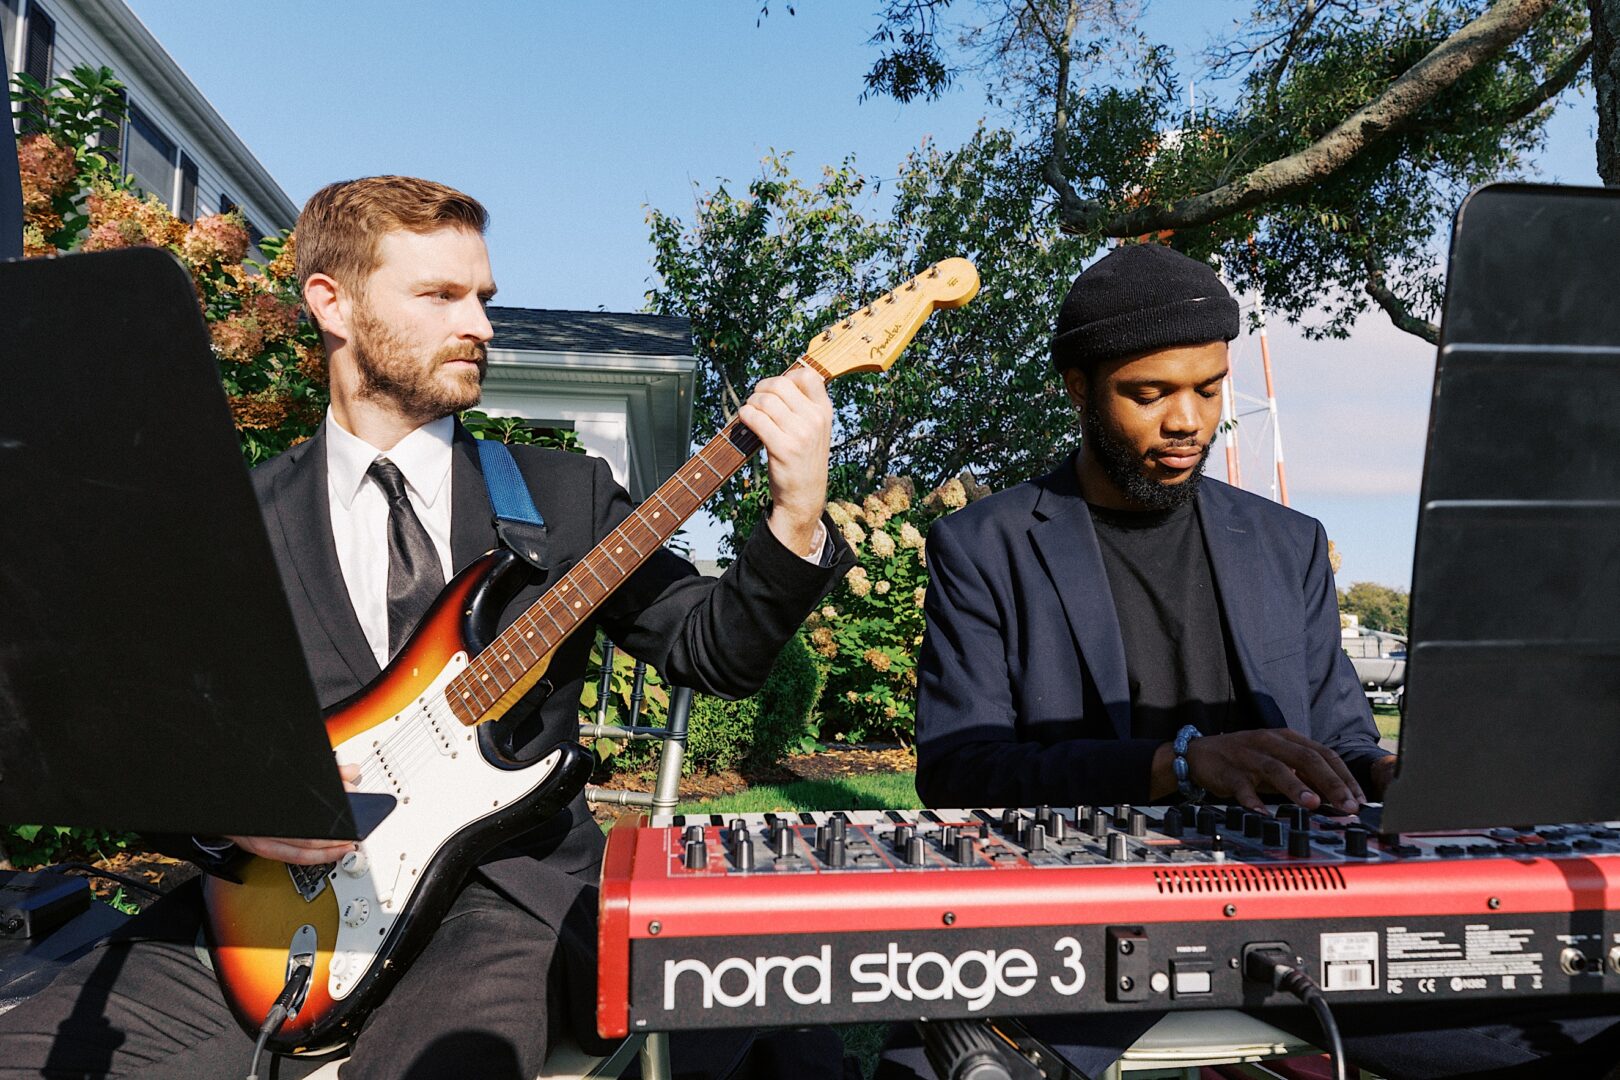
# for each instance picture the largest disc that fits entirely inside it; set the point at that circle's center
(872, 338)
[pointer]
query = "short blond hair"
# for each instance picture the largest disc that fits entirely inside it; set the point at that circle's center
(342, 224)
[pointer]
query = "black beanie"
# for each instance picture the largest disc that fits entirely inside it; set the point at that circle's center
(1137, 299)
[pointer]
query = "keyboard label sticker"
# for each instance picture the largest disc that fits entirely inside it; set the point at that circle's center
(1350, 961)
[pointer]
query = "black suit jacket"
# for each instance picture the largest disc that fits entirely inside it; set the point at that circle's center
(1022, 690)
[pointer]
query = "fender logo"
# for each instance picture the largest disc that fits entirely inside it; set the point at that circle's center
(888, 335)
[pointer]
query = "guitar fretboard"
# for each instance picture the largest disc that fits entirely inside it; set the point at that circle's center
(500, 667)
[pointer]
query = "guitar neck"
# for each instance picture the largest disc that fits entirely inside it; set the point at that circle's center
(868, 340)
(501, 667)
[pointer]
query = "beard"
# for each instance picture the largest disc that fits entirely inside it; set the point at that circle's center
(1128, 471)
(392, 370)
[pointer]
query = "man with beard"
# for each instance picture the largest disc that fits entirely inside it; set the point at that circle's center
(1127, 630)
(1124, 630)
(368, 519)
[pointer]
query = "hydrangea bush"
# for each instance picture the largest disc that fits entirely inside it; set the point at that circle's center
(867, 635)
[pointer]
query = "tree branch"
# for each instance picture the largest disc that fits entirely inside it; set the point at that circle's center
(1069, 200)
(1274, 76)
(1462, 52)
(1396, 308)
(1556, 83)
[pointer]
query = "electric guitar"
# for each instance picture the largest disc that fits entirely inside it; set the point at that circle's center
(419, 733)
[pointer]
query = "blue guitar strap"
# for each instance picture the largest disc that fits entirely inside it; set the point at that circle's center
(517, 521)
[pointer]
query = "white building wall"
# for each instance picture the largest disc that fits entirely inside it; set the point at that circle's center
(78, 43)
(601, 421)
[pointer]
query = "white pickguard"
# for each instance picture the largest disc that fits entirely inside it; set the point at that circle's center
(431, 764)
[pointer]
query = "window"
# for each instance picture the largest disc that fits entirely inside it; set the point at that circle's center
(40, 49)
(186, 208)
(149, 157)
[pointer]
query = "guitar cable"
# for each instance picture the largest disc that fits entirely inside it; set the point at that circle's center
(1275, 966)
(281, 1009)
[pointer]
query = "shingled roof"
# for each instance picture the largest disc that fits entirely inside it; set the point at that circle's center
(590, 332)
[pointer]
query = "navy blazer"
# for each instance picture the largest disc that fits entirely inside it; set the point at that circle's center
(1022, 692)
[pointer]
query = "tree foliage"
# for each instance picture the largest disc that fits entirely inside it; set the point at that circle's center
(1378, 607)
(1349, 132)
(759, 274)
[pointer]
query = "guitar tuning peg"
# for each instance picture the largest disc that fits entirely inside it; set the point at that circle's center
(933, 271)
(827, 336)
(888, 298)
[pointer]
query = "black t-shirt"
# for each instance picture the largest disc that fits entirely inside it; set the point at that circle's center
(1178, 656)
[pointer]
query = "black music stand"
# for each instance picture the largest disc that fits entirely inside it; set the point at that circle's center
(150, 675)
(1513, 679)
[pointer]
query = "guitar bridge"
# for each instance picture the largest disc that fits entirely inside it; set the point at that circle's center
(310, 881)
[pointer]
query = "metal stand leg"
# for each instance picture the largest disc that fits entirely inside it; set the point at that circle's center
(655, 1057)
(666, 791)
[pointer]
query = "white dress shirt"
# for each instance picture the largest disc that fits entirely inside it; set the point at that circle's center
(360, 512)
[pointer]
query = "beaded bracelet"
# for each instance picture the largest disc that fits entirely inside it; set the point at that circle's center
(1189, 791)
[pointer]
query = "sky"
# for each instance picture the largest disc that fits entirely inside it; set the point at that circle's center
(569, 120)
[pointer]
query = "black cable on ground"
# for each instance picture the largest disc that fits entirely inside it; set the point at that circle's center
(1277, 968)
(279, 1012)
(92, 871)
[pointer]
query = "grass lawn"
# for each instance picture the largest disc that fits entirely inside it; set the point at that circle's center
(1388, 721)
(864, 791)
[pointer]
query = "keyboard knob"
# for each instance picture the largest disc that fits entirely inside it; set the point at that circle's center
(1099, 824)
(1117, 849)
(916, 852)
(964, 849)
(694, 832)
(1299, 843)
(835, 852)
(1355, 843)
(1254, 826)
(1043, 816)
(1271, 832)
(947, 837)
(1009, 820)
(783, 845)
(697, 855)
(1209, 819)
(1035, 839)
(1136, 824)
(743, 855)
(1171, 824)
(838, 827)
(902, 836)
(1234, 817)
(1059, 828)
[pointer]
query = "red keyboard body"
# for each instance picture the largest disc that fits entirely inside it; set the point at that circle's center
(889, 915)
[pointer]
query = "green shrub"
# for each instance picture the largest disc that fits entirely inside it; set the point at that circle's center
(759, 729)
(867, 635)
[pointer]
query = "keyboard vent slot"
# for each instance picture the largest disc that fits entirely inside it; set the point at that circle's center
(1249, 879)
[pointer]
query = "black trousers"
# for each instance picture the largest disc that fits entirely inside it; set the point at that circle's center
(475, 1003)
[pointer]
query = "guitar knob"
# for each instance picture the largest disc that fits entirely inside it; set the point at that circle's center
(354, 863)
(356, 911)
(338, 964)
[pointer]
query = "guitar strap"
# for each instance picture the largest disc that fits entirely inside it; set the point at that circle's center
(518, 523)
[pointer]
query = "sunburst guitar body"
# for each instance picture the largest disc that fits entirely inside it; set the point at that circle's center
(420, 733)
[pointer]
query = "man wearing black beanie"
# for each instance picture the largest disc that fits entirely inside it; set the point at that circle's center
(1126, 630)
